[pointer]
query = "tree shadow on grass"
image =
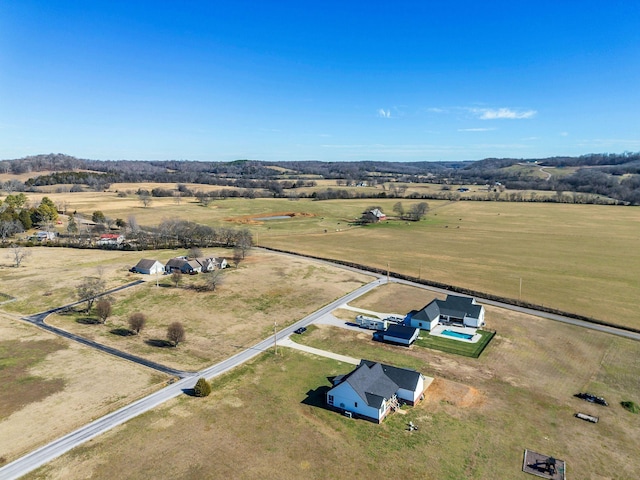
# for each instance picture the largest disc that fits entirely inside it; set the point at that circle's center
(157, 342)
(88, 321)
(189, 391)
(122, 332)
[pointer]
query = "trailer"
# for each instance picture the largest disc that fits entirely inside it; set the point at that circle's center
(588, 418)
(371, 323)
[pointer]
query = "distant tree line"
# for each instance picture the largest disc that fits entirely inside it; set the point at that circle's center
(612, 175)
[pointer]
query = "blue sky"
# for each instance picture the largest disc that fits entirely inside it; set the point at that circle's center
(323, 80)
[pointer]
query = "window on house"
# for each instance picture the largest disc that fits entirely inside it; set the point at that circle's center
(356, 404)
(330, 399)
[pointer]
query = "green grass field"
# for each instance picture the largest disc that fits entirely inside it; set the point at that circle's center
(473, 350)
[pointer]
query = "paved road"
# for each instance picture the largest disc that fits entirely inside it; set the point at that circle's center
(58, 447)
(550, 316)
(39, 318)
(45, 454)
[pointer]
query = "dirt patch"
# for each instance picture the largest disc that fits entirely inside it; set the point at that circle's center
(255, 219)
(453, 393)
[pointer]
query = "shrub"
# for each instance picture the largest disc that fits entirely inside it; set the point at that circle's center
(633, 407)
(202, 388)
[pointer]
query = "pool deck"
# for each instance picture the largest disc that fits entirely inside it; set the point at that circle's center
(437, 332)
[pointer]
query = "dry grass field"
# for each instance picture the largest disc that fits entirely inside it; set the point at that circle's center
(266, 287)
(48, 277)
(51, 386)
(266, 419)
(578, 258)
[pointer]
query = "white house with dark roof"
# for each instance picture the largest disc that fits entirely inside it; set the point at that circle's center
(399, 334)
(212, 263)
(148, 267)
(455, 310)
(373, 390)
(183, 265)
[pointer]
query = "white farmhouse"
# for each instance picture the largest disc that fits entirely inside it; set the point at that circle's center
(148, 267)
(373, 390)
(455, 310)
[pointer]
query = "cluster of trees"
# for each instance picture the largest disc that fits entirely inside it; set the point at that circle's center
(91, 290)
(416, 212)
(17, 216)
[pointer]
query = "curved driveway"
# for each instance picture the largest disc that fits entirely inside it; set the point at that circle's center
(62, 445)
(45, 454)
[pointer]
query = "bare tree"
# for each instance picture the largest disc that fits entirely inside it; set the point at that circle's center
(194, 252)
(137, 321)
(244, 241)
(145, 199)
(89, 289)
(175, 333)
(212, 280)
(9, 228)
(176, 277)
(18, 253)
(103, 309)
(418, 211)
(237, 257)
(398, 209)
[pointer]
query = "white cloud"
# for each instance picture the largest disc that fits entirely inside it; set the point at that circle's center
(436, 110)
(475, 129)
(382, 113)
(501, 113)
(564, 134)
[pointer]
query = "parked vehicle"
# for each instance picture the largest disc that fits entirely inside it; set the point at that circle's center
(300, 330)
(592, 398)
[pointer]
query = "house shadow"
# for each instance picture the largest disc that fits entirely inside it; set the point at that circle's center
(158, 342)
(317, 397)
(88, 321)
(122, 332)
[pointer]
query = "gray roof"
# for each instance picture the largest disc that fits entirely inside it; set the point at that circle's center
(400, 331)
(374, 382)
(145, 263)
(403, 377)
(454, 306)
(176, 262)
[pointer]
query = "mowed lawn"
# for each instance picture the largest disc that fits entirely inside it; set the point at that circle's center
(265, 288)
(266, 419)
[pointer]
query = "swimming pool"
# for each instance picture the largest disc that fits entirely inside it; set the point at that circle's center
(451, 333)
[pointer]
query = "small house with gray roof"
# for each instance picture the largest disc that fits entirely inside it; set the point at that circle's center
(183, 265)
(148, 267)
(373, 390)
(455, 310)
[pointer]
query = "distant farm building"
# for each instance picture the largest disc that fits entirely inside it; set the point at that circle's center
(110, 240)
(373, 390)
(455, 310)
